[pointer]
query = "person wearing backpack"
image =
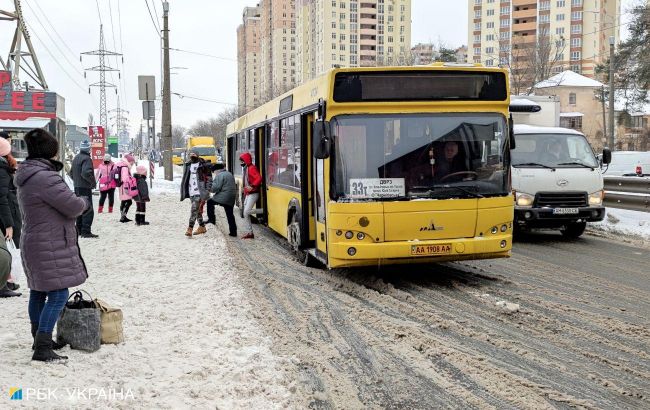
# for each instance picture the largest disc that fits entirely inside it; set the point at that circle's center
(143, 195)
(83, 177)
(123, 178)
(195, 185)
(107, 184)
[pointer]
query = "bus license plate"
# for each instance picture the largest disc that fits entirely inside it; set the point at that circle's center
(565, 211)
(425, 250)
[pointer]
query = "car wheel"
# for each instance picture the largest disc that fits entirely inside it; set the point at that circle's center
(574, 230)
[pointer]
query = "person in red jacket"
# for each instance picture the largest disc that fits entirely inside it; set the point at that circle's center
(252, 184)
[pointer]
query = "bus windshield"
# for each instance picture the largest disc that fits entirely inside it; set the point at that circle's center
(441, 156)
(204, 151)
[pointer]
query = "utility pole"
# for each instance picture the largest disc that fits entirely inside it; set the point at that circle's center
(612, 96)
(102, 69)
(166, 137)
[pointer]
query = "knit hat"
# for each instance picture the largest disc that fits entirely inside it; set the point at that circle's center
(107, 157)
(84, 146)
(141, 170)
(41, 144)
(129, 158)
(5, 147)
(5, 135)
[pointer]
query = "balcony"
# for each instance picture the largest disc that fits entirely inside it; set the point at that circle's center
(524, 14)
(518, 3)
(529, 26)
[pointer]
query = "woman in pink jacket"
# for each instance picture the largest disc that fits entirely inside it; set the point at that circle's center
(125, 174)
(107, 184)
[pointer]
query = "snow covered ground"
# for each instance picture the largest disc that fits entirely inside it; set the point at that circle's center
(623, 222)
(191, 336)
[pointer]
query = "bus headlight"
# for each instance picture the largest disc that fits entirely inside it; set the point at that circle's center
(596, 199)
(524, 199)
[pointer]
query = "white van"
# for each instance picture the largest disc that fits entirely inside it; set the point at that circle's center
(557, 180)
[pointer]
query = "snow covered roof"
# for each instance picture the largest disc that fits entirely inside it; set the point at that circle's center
(621, 103)
(568, 78)
(521, 101)
(571, 114)
(530, 129)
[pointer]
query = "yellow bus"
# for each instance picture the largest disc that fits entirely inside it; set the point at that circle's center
(390, 165)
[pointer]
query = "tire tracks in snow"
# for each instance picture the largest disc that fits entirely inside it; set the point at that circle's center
(428, 336)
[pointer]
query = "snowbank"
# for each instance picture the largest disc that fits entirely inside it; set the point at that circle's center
(624, 222)
(191, 336)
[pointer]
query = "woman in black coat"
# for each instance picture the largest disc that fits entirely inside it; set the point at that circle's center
(10, 221)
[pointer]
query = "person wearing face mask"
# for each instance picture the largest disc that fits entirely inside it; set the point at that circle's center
(252, 184)
(196, 185)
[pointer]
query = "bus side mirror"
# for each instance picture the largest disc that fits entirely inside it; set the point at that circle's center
(607, 156)
(511, 136)
(322, 139)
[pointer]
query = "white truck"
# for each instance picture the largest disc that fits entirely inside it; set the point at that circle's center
(556, 179)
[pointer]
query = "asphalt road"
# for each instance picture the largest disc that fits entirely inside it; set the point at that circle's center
(560, 324)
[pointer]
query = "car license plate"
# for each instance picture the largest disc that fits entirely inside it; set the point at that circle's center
(426, 250)
(565, 211)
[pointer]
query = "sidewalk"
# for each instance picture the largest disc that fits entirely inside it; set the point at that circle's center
(191, 339)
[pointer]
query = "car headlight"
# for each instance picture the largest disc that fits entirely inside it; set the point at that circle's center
(596, 198)
(524, 199)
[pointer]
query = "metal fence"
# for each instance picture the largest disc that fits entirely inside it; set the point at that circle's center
(628, 193)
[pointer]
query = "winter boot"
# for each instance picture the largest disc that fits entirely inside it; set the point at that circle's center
(110, 209)
(5, 292)
(188, 233)
(55, 345)
(137, 220)
(43, 349)
(200, 230)
(124, 219)
(100, 209)
(142, 220)
(13, 286)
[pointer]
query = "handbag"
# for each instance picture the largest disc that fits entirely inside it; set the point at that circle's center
(80, 324)
(111, 323)
(17, 271)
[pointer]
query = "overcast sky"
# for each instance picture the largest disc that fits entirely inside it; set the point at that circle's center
(203, 26)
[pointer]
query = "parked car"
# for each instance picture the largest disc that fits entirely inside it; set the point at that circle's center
(557, 180)
(629, 163)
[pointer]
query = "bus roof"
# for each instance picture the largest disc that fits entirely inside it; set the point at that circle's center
(320, 88)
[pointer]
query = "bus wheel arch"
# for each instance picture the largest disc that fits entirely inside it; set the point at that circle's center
(294, 225)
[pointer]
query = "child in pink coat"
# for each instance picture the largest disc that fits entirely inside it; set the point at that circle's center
(125, 199)
(107, 185)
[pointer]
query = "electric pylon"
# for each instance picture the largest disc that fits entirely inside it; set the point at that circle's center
(102, 68)
(18, 58)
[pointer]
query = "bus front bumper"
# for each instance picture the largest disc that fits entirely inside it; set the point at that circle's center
(350, 253)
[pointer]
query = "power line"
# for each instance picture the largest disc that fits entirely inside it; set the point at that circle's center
(203, 99)
(152, 19)
(202, 54)
(72, 53)
(119, 20)
(56, 60)
(54, 41)
(99, 13)
(117, 62)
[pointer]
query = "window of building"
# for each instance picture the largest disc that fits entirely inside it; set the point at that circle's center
(545, 5)
(571, 122)
(576, 3)
(576, 15)
(505, 22)
(559, 31)
(576, 42)
(505, 10)
(477, 14)
(544, 18)
(575, 55)
(477, 26)
(560, 3)
(490, 12)
(489, 63)
(489, 50)
(576, 28)
(477, 51)
(489, 37)
(572, 98)
(559, 17)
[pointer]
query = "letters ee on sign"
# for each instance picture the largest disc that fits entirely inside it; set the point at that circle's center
(377, 187)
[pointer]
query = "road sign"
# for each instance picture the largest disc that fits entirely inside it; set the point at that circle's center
(148, 110)
(147, 87)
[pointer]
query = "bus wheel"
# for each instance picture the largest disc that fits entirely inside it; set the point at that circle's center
(294, 238)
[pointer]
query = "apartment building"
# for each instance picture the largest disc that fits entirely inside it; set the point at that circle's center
(351, 33)
(424, 53)
(248, 60)
(278, 46)
(573, 34)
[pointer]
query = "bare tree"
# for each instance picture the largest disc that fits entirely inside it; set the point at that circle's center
(215, 127)
(531, 60)
(178, 136)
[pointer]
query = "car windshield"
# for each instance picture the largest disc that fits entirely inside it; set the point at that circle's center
(553, 150)
(420, 156)
(204, 151)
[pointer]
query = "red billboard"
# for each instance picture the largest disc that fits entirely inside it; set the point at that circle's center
(97, 139)
(20, 105)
